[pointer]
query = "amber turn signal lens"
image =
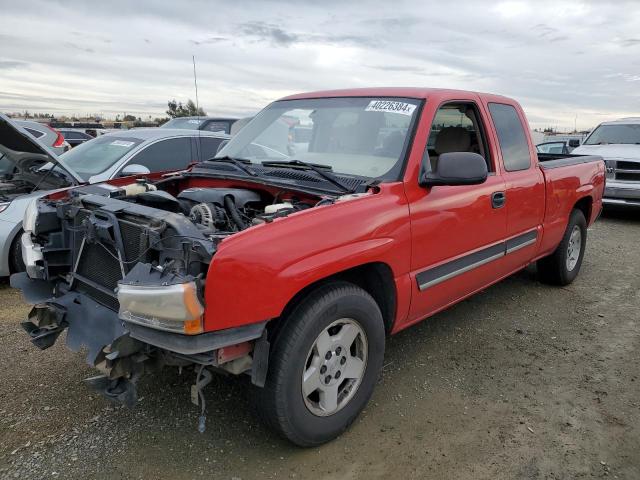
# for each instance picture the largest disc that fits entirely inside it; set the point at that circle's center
(193, 327)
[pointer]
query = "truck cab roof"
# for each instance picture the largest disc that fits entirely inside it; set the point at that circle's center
(407, 92)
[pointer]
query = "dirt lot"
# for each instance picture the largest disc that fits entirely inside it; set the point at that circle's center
(522, 381)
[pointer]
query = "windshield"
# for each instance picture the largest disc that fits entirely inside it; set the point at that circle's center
(183, 123)
(355, 136)
(97, 155)
(629, 133)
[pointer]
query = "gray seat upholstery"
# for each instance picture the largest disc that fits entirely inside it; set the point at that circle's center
(451, 139)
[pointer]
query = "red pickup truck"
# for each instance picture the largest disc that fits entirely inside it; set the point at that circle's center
(289, 258)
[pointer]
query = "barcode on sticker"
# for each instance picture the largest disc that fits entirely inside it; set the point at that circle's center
(390, 106)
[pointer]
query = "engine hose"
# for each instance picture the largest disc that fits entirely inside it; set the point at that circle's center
(234, 213)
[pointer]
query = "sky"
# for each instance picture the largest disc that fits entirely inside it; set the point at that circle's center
(567, 62)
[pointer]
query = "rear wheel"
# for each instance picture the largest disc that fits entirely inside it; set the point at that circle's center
(324, 365)
(563, 265)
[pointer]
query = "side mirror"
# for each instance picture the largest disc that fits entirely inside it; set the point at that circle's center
(134, 169)
(574, 143)
(456, 168)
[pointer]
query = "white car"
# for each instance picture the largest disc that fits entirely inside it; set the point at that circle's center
(618, 142)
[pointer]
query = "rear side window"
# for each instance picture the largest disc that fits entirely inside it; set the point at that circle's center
(512, 137)
(172, 154)
(35, 133)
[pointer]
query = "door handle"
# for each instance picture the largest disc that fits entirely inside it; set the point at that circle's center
(498, 199)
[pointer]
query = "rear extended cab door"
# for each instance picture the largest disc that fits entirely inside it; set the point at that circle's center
(457, 245)
(524, 183)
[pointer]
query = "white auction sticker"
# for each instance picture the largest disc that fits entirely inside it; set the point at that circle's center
(121, 143)
(390, 106)
(193, 121)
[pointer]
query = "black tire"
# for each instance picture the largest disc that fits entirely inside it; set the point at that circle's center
(16, 263)
(281, 403)
(553, 269)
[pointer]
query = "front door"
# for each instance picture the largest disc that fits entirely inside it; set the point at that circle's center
(457, 231)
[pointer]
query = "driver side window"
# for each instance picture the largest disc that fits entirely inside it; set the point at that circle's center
(456, 127)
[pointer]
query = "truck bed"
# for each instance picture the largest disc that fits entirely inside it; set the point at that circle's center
(555, 160)
(564, 187)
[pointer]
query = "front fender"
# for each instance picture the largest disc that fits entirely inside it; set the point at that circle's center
(9, 230)
(338, 259)
(255, 273)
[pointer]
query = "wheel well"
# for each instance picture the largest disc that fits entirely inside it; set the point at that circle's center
(375, 278)
(584, 205)
(13, 268)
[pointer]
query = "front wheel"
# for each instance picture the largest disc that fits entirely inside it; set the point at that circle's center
(563, 265)
(324, 365)
(16, 263)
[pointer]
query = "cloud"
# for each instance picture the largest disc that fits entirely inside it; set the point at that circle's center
(629, 42)
(75, 46)
(556, 58)
(277, 36)
(209, 40)
(397, 68)
(268, 32)
(7, 64)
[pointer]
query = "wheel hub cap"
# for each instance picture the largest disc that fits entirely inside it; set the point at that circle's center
(574, 248)
(334, 367)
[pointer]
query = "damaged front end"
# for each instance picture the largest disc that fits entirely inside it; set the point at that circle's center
(126, 281)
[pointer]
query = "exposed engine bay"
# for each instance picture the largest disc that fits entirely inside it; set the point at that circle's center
(21, 159)
(220, 211)
(20, 174)
(127, 267)
(171, 228)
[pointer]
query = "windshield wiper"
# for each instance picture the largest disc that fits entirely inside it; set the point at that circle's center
(322, 170)
(238, 162)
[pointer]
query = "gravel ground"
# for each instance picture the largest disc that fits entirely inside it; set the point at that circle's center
(521, 381)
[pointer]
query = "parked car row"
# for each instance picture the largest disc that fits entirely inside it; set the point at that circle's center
(75, 137)
(228, 265)
(207, 124)
(618, 142)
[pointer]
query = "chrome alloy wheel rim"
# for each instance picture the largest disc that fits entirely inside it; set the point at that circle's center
(574, 247)
(334, 367)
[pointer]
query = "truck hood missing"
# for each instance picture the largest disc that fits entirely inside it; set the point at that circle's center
(21, 159)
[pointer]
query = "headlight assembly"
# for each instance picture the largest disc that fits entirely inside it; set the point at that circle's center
(4, 206)
(173, 308)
